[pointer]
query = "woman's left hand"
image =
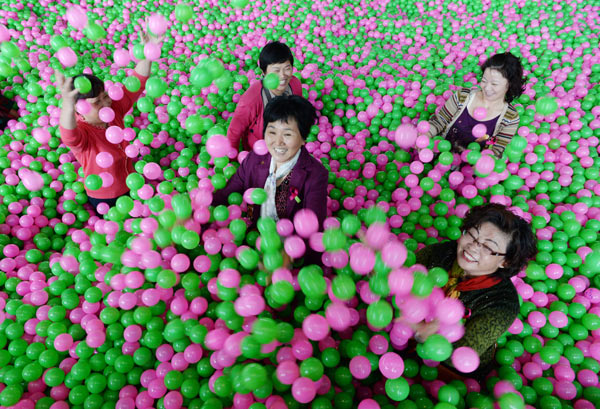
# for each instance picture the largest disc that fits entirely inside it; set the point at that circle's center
(424, 330)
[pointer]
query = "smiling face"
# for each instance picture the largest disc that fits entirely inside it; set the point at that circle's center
(476, 248)
(284, 70)
(283, 140)
(97, 103)
(493, 85)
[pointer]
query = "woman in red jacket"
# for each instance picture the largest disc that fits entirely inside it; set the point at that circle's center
(247, 122)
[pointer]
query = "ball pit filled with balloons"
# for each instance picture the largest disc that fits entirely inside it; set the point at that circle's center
(163, 301)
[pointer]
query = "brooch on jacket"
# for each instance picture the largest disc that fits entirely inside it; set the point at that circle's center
(294, 194)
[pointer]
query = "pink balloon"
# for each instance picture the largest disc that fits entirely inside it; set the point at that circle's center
(115, 93)
(121, 57)
(4, 34)
(338, 316)
(77, 17)
(217, 146)
(260, 147)
(152, 51)
(479, 113)
(485, 164)
(479, 130)
(294, 246)
(394, 254)
(106, 114)
(391, 365)
(157, 24)
(67, 57)
(362, 260)
(465, 359)
(114, 134)
(400, 282)
(41, 135)
(32, 180)
(406, 136)
(63, 342)
(304, 390)
(315, 327)
(423, 127)
(83, 107)
(104, 160)
(287, 372)
(306, 222)
(152, 170)
(449, 310)
(369, 404)
(360, 367)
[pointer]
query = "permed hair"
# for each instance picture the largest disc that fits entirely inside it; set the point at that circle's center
(274, 53)
(97, 86)
(284, 107)
(510, 67)
(523, 243)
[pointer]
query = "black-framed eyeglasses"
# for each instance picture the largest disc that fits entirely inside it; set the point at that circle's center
(484, 247)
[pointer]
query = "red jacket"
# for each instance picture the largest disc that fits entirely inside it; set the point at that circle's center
(86, 141)
(247, 122)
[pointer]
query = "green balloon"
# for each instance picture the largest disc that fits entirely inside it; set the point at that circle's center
(83, 85)
(546, 106)
(182, 206)
(380, 314)
(134, 181)
(200, 77)
(248, 259)
(422, 285)
(183, 12)
(397, 389)
(253, 376)
(10, 50)
(271, 81)
(437, 348)
(93, 182)
(95, 31)
(155, 87)
(311, 282)
(258, 196)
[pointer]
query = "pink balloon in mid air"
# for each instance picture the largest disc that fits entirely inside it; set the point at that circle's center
(67, 57)
(260, 147)
(479, 113)
(217, 146)
(406, 136)
(479, 130)
(121, 57)
(106, 114)
(77, 17)
(104, 160)
(157, 24)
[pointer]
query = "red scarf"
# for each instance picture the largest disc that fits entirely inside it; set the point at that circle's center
(477, 283)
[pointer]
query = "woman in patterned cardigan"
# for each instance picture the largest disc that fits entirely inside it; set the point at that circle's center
(502, 82)
(495, 245)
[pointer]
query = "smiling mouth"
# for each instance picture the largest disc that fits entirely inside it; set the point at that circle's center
(280, 151)
(468, 257)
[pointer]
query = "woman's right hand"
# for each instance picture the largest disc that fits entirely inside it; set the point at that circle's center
(68, 93)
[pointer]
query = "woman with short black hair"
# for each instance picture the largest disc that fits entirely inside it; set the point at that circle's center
(247, 123)
(292, 177)
(495, 245)
(502, 81)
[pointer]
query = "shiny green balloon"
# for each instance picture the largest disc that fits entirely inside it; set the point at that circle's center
(380, 314)
(397, 389)
(271, 81)
(183, 12)
(437, 348)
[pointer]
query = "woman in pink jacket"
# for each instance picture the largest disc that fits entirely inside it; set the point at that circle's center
(247, 122)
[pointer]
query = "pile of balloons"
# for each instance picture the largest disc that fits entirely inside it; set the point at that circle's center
(166, 302)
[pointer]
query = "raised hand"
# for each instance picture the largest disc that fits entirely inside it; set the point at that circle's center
(67, 91)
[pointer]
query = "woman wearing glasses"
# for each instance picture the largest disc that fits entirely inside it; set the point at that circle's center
(495, 245)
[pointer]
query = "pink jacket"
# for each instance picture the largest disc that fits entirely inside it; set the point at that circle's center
(247, 122)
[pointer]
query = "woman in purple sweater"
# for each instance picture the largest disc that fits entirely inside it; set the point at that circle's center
(292, 178)
(247, 122)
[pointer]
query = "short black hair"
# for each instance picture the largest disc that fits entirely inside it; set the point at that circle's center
(284, 107)
(510, 67)
(523, 243)
(274, 53)
(97, 86)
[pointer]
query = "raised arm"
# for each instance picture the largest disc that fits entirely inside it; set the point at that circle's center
(69, 133)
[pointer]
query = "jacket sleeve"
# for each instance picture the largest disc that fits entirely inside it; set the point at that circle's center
(243, 117)
(506, 132)
(237, 183)
(72, 138)
(316, 194)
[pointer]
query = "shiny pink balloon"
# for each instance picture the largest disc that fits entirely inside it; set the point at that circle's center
(406, 136)
(67, 57)
(391, 365)
(306, 222)
(106, 114)
(260, 147)
(465, 359)
(104, 160)
(217, 146)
